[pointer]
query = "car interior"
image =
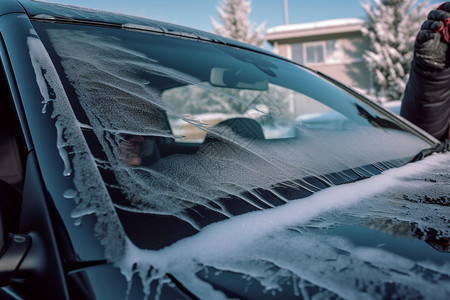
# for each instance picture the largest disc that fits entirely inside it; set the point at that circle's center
(11, 158)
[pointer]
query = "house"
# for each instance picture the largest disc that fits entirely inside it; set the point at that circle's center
(334, 47)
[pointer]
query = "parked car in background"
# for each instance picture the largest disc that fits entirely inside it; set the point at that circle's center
(144, 160)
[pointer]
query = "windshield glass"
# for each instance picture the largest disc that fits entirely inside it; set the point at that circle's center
(180, 133)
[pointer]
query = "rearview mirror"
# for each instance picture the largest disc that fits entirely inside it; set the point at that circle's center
(239, 79)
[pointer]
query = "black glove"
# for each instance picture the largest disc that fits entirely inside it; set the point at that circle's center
(432, 47)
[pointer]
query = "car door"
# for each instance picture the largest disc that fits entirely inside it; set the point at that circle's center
(30, 264)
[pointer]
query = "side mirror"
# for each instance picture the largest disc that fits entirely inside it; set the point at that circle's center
(13, 247)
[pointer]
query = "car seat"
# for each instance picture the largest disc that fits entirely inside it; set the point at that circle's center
(244, 127)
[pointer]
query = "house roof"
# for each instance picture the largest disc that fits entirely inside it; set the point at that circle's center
(333, 26)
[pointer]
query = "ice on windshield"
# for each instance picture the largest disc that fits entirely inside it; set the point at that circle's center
(305, 243)
(73, 150)
(121, 94)
(115, 87)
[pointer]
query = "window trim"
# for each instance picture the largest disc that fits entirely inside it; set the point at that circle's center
(313, 45)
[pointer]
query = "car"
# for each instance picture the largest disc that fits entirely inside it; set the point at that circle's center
(145, 160)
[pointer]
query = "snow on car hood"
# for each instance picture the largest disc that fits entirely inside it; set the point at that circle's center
(293, 240)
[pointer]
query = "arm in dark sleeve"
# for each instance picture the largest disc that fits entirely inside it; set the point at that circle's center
(426, 101)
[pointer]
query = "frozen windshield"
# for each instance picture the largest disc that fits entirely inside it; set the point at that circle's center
(184, 133)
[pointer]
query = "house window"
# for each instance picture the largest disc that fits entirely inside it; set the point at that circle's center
(328, 52)
(314, 53)
(297, 53)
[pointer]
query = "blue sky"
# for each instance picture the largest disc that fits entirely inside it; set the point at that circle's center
(198, 13)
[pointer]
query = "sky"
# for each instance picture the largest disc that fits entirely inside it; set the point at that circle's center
(198, 13)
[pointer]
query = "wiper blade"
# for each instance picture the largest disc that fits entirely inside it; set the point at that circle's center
(179, 285)
(441, 147)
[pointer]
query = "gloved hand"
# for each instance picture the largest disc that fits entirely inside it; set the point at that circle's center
(432, 47)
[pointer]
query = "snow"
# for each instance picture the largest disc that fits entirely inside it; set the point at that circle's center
(56, 10)
(87, 179)
(392, 43)
(251, 243)
(45, 17)
(316, 25)
(289, 237)
(236, 25)
(142, 27)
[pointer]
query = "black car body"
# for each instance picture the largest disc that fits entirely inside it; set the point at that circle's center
(251, 185)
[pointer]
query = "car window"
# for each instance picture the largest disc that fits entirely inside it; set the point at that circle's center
(11, 158)
(182, 133)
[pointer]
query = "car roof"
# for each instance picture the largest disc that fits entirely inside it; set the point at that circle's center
(60, 12)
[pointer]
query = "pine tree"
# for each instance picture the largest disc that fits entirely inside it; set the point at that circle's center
(391, 29)
(234, 14)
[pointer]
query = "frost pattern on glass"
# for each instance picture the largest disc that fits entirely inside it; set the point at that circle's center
(119, 101)
(292, 243)
(76, 155)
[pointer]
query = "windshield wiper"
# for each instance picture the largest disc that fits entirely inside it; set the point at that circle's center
(441, 147)
(179, 285)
